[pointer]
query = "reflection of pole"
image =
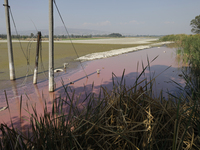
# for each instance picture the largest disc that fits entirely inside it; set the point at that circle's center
(51, 48)
(38, 95)
(55, 107)
(9, 42)
(18, 102)
(15, 92)
(36, 59)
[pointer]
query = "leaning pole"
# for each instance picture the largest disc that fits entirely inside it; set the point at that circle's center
(9, 42)
(51, 48)
(36, 59)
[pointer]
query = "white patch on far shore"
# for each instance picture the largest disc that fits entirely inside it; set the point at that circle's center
(111, 53)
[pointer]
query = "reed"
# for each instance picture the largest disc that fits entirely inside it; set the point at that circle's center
(188, 53)
(121, 118)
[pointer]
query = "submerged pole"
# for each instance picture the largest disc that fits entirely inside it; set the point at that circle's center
(37, 58)
(9, 42)
(51, 48)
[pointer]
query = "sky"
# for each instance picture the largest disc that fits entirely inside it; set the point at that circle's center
(134, 17)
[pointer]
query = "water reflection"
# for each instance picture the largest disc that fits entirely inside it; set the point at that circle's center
(17, 99)
(38, 95)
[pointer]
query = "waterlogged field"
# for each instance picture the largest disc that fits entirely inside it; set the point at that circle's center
(92, 117)
(24, 54)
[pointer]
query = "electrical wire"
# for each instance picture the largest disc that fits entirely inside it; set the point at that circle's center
(27, 56)
(34, 25)
(40, 52)
(18, 36)
(41, 62)
(69, 36)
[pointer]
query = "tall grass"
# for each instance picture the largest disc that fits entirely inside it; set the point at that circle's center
(188, 53)
(173, 37)
(188, 47)
(121, 118)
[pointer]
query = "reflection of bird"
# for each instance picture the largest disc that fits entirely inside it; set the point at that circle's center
(65, 65)
(3, 108)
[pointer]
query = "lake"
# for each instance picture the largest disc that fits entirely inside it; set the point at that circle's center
(76, 80)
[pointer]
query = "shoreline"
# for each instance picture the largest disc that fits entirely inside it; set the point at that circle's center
(116, 52)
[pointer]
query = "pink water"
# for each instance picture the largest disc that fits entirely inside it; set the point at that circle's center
(37, 94)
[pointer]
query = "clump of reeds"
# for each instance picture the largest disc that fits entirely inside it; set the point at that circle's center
(188, 54)
(121, 118)
(188, 48)
(173, 37)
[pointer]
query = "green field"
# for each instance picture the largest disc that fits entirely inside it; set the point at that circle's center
(63, 52)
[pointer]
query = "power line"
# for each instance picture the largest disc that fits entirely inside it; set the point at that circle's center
(34, 25)
(27, 57)
(18, 37)
(69, 36)
(41, 62)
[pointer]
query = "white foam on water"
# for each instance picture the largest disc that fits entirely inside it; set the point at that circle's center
(116, 52)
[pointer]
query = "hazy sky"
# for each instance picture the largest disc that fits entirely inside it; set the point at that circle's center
(123, 16)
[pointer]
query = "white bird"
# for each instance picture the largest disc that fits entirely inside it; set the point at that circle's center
(65, 65)
(58, 70)
(98, 71)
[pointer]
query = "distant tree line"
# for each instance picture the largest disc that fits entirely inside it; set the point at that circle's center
(4, 36)
(115, 35)
(73, 36)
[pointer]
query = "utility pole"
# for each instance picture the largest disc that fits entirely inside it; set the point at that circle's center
(51, 48)
(9, 42)
(37, 58)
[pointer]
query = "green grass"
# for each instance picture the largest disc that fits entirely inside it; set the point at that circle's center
(188, 53)
(63, 52)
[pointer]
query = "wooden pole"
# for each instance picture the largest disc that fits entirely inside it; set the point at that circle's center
(9, 42)
(37, 58)
(51, 48)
